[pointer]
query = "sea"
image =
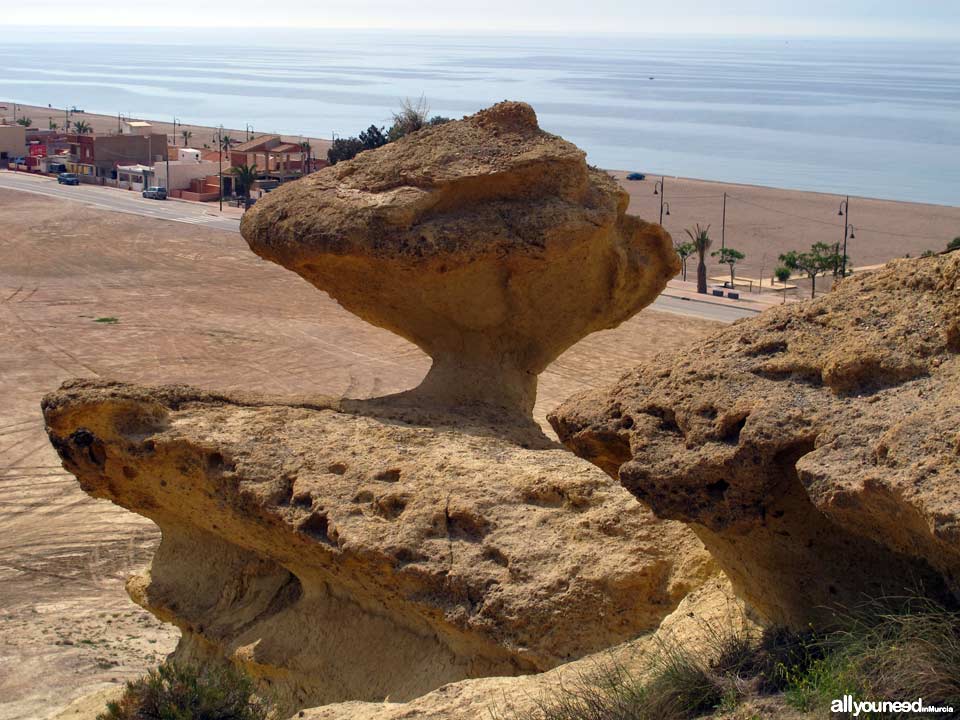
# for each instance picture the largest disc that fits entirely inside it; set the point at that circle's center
(865, 117)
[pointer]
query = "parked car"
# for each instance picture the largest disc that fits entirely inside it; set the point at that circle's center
(636, 176)
(68, 179)
(155, 193)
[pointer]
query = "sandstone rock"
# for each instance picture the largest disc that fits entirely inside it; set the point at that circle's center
(814, 448)
(705, 611)
(487, 242)
(368, 549)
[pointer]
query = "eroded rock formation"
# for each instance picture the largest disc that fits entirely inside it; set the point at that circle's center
(345, 549)
(814, 449)
(487, 242)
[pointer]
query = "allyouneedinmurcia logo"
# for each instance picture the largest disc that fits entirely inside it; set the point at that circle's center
(852, 707)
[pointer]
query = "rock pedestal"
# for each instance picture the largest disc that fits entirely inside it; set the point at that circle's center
(355, 550)
(487, 242)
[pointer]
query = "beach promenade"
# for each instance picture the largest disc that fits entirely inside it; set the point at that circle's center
(760, 222)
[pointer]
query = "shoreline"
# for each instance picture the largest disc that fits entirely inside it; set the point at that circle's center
(761, 221)
(38, 113)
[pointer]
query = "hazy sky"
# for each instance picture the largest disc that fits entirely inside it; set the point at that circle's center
(929, 18)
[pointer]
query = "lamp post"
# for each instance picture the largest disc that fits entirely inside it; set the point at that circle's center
(847, 232)
(723, 226)
(665, 206)
(220, 172)
(660, 192)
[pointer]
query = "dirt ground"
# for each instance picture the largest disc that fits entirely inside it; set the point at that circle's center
(175, 303)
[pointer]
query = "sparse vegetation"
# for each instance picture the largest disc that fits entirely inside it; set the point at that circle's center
(883, 655)
(821, 258)
(684, 250)
(877, 655)
(411, 117)
(729, 256)
(781, 274)
(177, 691)
(25, 121)
(954, 244)
(107, 320)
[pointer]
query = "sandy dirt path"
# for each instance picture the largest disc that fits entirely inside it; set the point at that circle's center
(192, 305)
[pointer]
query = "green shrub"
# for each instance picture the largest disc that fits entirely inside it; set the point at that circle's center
(681, 684)
(878, 654)
(176, 691)
(882, 655)
(954, 244)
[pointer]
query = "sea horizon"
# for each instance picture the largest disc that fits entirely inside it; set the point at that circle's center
(870, 117)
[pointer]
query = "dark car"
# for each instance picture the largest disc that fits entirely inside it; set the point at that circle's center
(68, 179)
(636, 176)
(155, 193)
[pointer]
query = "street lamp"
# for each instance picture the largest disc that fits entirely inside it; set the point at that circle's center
(667, 206)
(847, 232)
(220, 172)
(660, 192)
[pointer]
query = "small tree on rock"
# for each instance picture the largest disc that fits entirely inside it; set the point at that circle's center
(729, 256)
(373, 137)
(954, 244)
(344, 149)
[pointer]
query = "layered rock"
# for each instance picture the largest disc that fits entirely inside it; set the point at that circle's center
(815, 449)
(341, 550)
(363, 549)
(487, 242)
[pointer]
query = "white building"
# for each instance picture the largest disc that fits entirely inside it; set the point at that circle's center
(134, 177)
(189, 166)
(136, 127)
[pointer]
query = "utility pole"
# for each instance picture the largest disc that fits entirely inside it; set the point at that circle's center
(661, 193)
(166, 154)
(723, 225)
(220, 173)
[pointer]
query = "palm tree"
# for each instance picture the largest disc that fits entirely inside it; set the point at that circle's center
(305, 151)
(82, 127)
(246, 177)
(51, 124)
(700, 238)
(226, 142)
(186, 137)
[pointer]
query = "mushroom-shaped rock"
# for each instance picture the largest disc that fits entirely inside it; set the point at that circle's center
(487, 242)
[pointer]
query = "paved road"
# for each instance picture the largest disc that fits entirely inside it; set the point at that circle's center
(108, 198)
